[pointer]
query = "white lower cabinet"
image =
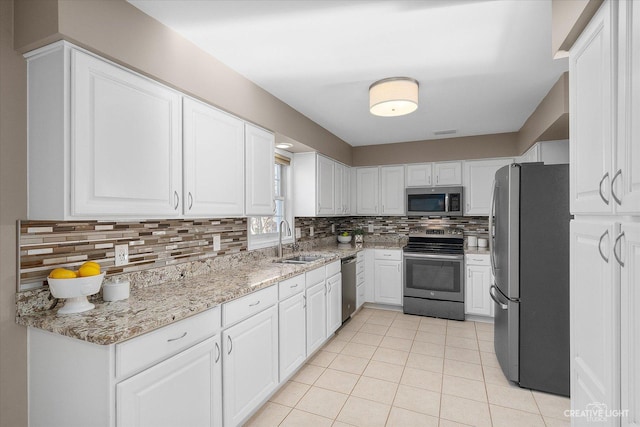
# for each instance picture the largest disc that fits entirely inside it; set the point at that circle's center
(594, 288)
(183, 390)
(293, 334)
(477, 300)
(334, 303)
(250, 364)
(388, 276)
(316, 316)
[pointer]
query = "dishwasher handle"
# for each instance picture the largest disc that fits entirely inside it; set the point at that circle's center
(349, 260)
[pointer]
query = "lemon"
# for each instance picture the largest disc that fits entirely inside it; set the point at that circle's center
(92, 264)
(62, 273)
(88, 270)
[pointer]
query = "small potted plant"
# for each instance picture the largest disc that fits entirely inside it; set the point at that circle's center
(358, 234)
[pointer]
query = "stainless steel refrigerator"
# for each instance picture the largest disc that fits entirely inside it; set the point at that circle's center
(529, 251)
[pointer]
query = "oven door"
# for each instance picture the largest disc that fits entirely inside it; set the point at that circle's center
(434, 276)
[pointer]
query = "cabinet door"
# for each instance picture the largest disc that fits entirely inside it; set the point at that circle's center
(126, 143)
(532, 155)
(626, 179)
(259, 167)
(250, 364)
(590, 124)
(477, 300)
(392, 190)
(338, 191)
(478, 183)
(388, 282)
(628, 250)
(448, 173)
(213, 161)
(367, 191)
(326, 202)
(594, 311)
(293, 334)
(183, 390)
(334, 303)
(316, 316)
(419, 175)
(346, 189)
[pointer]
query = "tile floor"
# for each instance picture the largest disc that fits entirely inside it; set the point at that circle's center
(385, 368)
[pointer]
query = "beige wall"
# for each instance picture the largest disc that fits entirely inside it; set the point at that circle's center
(13, 192)
(118, 31)
(569, 17)
(462, 148)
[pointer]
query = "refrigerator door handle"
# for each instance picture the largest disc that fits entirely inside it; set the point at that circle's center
(493, 297)
(492, 211)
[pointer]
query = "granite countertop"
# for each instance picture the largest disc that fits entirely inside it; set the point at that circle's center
(152, 307)
(475, 250)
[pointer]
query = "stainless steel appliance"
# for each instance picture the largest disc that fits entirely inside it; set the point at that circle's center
(433, 281)
(529, 251)
(434, 201)
(348, 287)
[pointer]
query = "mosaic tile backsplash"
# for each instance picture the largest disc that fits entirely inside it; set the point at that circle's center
(153, 244)
(45, 245)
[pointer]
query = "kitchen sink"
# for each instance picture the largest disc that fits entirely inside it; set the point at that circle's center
(299, 259)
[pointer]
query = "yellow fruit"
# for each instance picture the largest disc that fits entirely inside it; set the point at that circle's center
(92, 264)
(62, 273)
(88, 270)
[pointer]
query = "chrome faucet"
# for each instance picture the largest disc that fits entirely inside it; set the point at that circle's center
(284, 221)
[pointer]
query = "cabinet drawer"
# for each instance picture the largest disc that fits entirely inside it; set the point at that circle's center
(148, 349)
(360, 256)
(482, 259)
(248, 305)
(291, 286)
(359, 267)
(391, 254)
(360, 279)
(314, 277)
(333, 268)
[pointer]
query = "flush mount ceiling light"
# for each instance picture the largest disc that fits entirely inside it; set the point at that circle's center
(284, 145)
(395, 96)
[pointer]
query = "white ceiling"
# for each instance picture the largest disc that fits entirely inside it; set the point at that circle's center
(483, 66)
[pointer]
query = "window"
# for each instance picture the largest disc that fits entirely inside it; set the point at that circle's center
(263, 230)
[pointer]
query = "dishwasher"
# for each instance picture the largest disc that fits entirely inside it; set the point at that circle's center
(348, 287)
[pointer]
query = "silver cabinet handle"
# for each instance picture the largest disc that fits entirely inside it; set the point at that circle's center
(176, 198)
(493, 297)
(217, 353)
(398, 268)
(469, 273)
(190, 200)
(178, 338)
(613, 187)
(606, 175)
(230, 344)
(615, 253)
(254, 304)
(606, 233)
(294, 286)
(305, 301)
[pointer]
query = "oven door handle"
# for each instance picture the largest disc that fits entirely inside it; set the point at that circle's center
(434, 256)
(493, 297)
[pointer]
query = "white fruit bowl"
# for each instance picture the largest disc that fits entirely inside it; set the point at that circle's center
(344, 239)
(75, 292)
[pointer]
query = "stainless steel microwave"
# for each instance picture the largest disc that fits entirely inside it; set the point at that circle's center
(434, 201)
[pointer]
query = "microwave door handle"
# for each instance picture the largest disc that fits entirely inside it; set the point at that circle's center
(446, 202)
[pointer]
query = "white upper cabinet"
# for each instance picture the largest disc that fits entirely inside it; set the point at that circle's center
(367, 191)
(213, 161)
(625, 180)
(419, 175)
(321, 186)
(448, 173)
(326, 187)
(103, 141)
(478, 182)
(342, 193)
(392, 190)
(259, 158)
(591, 67)
(548, 152)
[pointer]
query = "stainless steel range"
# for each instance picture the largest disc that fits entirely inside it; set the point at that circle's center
(434, 273)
